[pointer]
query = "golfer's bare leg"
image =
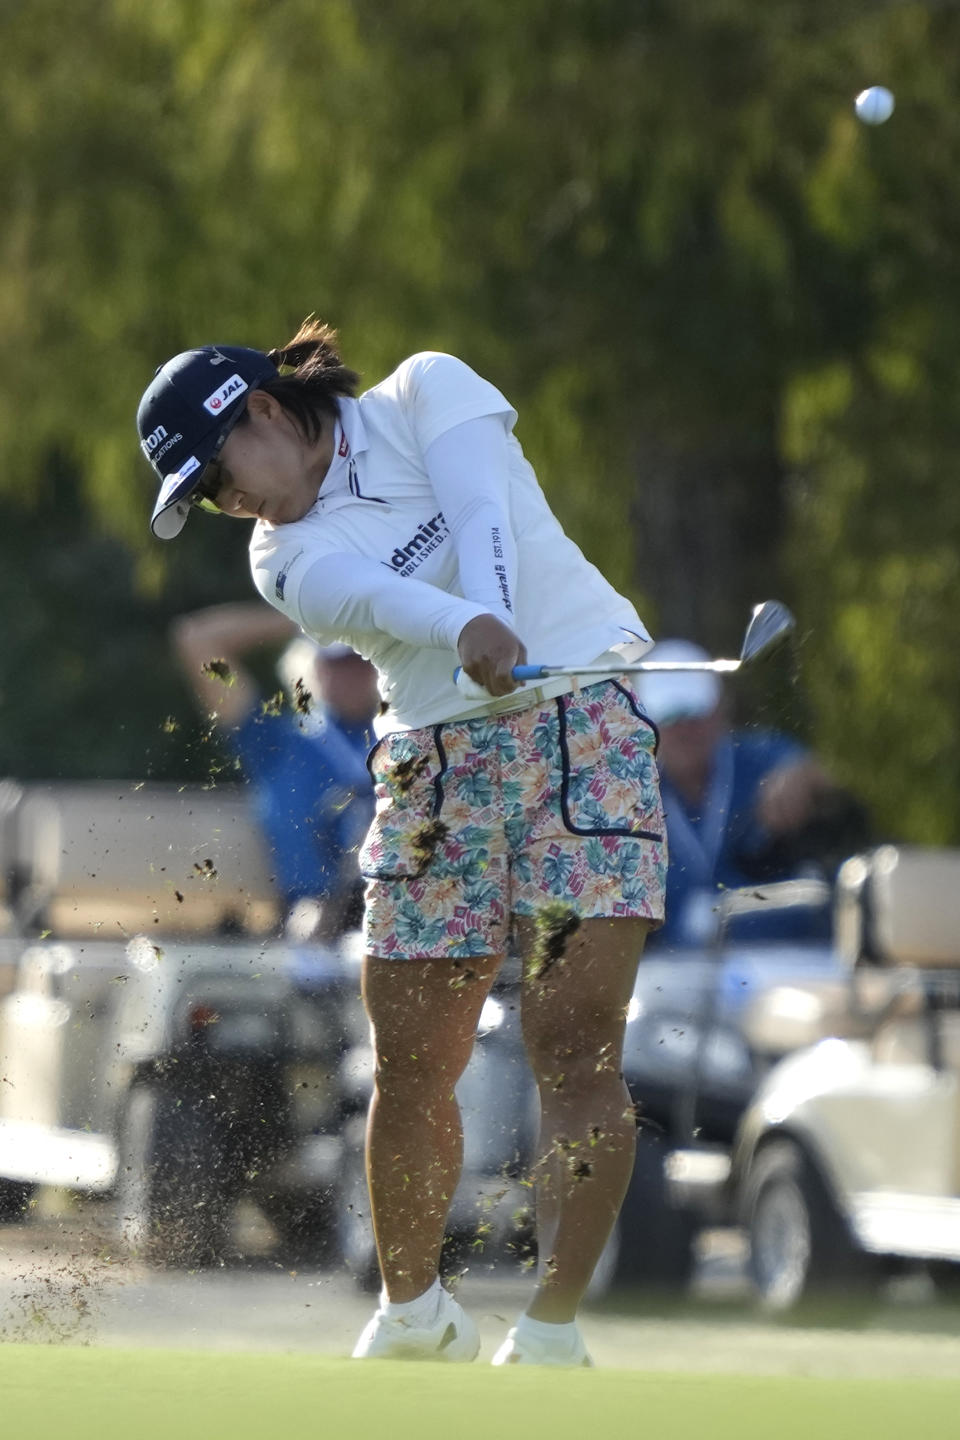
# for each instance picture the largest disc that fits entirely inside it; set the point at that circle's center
(574, 1014)
(424, 1015)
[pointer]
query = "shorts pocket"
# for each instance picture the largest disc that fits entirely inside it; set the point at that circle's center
(408, 771)
(609, 783)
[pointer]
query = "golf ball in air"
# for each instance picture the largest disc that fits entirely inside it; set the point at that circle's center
(875, 105)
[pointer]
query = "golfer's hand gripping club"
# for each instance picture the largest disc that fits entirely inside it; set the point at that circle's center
(488, 650)
(520, 673)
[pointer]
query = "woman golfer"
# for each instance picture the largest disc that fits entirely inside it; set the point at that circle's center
(406, 523)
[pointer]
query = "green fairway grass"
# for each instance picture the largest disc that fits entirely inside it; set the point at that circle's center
(66, 1393)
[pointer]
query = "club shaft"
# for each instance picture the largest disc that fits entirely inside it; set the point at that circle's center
(642, 667)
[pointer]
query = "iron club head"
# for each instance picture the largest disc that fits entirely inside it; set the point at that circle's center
(770, 624)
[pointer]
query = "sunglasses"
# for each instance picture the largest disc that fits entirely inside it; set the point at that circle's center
(204, 495)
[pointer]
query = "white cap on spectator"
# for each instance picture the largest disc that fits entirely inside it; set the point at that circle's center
(299, 662)
(678, 694)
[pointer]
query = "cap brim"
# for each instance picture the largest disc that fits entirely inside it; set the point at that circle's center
(167, 523)
(173, 502)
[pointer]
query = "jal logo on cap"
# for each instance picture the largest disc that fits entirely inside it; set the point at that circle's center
(225, 394)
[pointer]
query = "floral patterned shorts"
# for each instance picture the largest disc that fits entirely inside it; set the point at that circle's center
(480, 820)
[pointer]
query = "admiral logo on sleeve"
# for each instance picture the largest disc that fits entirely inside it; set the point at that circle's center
(225, 394)
(428, 537)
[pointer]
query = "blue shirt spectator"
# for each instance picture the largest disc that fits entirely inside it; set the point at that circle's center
(310, 792)
(304, 754)
(732, 799)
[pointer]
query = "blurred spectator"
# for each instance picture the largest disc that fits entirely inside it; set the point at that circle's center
(342, 688)
(742, 807)
(304, 758)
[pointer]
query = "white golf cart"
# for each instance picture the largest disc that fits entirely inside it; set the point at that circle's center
(160, 1042)
(847, 1162)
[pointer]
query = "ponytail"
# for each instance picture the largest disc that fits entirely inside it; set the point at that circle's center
(312, 375)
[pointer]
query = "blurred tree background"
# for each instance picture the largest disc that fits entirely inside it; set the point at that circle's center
(727, 312)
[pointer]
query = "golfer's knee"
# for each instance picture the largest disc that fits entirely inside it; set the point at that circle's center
(415, 1073)
(594, 1050)
(579, 1072)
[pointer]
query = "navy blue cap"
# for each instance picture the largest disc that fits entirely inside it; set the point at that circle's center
(186, 413)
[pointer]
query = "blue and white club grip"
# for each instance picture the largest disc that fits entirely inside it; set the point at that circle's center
(473, 691)
(519, 672)
(529, 672)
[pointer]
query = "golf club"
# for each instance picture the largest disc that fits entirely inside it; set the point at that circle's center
(770, 624)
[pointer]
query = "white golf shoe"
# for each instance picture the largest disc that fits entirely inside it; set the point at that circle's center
(522, 1347)
(453, 1336)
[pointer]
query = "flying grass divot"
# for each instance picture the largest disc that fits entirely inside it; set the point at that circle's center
(554, 923)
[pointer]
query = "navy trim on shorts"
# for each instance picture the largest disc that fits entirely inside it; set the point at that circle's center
(438, 796)
(370, 754)
(439, 777)
(565, 782)
(632, 702)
